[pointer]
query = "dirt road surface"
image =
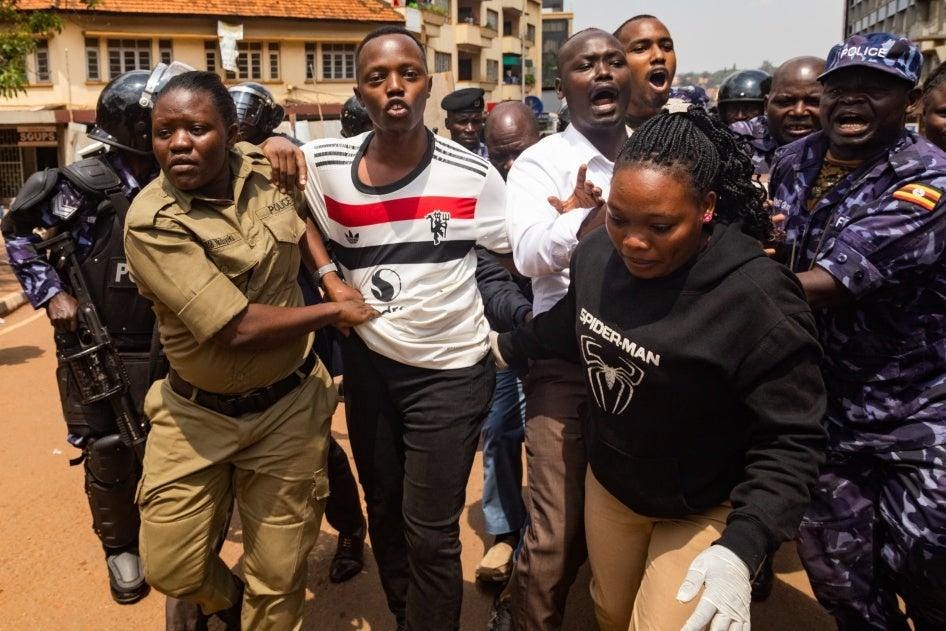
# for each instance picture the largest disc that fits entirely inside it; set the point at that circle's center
(52, 575)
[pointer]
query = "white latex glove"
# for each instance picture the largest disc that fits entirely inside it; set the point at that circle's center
(494, 347)
(727, 591)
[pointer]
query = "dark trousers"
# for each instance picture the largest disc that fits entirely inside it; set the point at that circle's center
(414, 433)
(342, 510)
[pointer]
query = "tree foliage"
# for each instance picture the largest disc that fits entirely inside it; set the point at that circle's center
(19, 31)
(713, 79)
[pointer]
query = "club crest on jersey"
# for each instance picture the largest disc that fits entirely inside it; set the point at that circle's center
(438, 224)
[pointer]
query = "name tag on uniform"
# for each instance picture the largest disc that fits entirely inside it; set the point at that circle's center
(221, 242)
(118, 276)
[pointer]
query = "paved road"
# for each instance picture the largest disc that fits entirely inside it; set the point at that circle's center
(51, 570)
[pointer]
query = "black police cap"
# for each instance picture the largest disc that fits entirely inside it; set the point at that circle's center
(466, 99)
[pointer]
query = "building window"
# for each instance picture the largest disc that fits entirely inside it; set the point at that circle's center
(443, 62)
(530, 33)
(273, 53)
(92, 72)
(41, 62)
(492, 70)
(165, 52)
(11, 164)
(338, 62)
(210, 55)
(128, 54)
(249, 62)
(554, 34)
(310, 56)
(492, 19)
(465, 69)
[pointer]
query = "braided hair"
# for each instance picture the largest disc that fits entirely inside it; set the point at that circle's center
(937, 78)
(703, 153)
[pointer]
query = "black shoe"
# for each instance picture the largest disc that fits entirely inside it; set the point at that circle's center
(500, 614)
(349, 557)
(180, 615)
(763, 581)
(230, 617)
(126, 578)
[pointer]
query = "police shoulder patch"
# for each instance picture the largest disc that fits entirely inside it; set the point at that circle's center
(923, 195)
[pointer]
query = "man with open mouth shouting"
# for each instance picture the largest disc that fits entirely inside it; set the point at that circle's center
(791, 112)
(866, 235)
(543, 230)
(402, 210)
(652, 62)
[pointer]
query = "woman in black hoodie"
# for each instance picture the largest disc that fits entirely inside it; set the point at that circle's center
(705, 395)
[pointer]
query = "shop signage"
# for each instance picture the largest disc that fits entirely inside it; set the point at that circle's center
(37, 137)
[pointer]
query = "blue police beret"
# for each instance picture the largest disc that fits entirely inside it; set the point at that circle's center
(881, 51)
(465, 99)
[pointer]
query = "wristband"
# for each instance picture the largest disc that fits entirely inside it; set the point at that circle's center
(326, 269)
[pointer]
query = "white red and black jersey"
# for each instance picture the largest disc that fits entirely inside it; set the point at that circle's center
(408, 246)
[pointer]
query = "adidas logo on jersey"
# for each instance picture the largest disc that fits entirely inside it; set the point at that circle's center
(351, 237)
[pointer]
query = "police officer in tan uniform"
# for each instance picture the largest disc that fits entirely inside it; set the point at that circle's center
(245, 410)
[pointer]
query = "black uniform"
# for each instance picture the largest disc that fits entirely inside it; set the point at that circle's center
(87, 200)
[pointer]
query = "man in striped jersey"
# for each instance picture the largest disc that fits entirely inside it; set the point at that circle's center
(402, 211)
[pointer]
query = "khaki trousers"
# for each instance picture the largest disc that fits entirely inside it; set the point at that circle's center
(272, 462)
(638, 563)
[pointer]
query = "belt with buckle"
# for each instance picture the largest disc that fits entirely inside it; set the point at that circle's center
(234, 405)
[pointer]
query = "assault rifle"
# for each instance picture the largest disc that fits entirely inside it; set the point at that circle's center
(90, 353)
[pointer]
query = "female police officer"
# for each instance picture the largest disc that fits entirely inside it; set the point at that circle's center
(245, 409)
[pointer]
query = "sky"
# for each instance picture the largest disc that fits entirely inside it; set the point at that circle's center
(714, 34)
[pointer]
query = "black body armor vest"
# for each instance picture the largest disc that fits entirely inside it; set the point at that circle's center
(128, 316)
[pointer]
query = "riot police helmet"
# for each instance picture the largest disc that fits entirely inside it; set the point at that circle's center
(120, 120)
(742, 95)
(745, 85)
(355, 119)
(257, 111)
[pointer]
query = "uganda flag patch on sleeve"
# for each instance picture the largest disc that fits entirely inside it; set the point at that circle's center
(920, 194)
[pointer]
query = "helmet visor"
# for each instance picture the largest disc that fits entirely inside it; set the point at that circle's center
(161, 74)
(249, 107)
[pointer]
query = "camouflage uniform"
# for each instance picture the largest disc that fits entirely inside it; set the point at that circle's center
(754, 137)
(877, 524)
(39, 280)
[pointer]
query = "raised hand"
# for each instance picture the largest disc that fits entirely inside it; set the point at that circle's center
(585, 195)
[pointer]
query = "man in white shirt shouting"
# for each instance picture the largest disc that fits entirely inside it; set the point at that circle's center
(546, 215)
